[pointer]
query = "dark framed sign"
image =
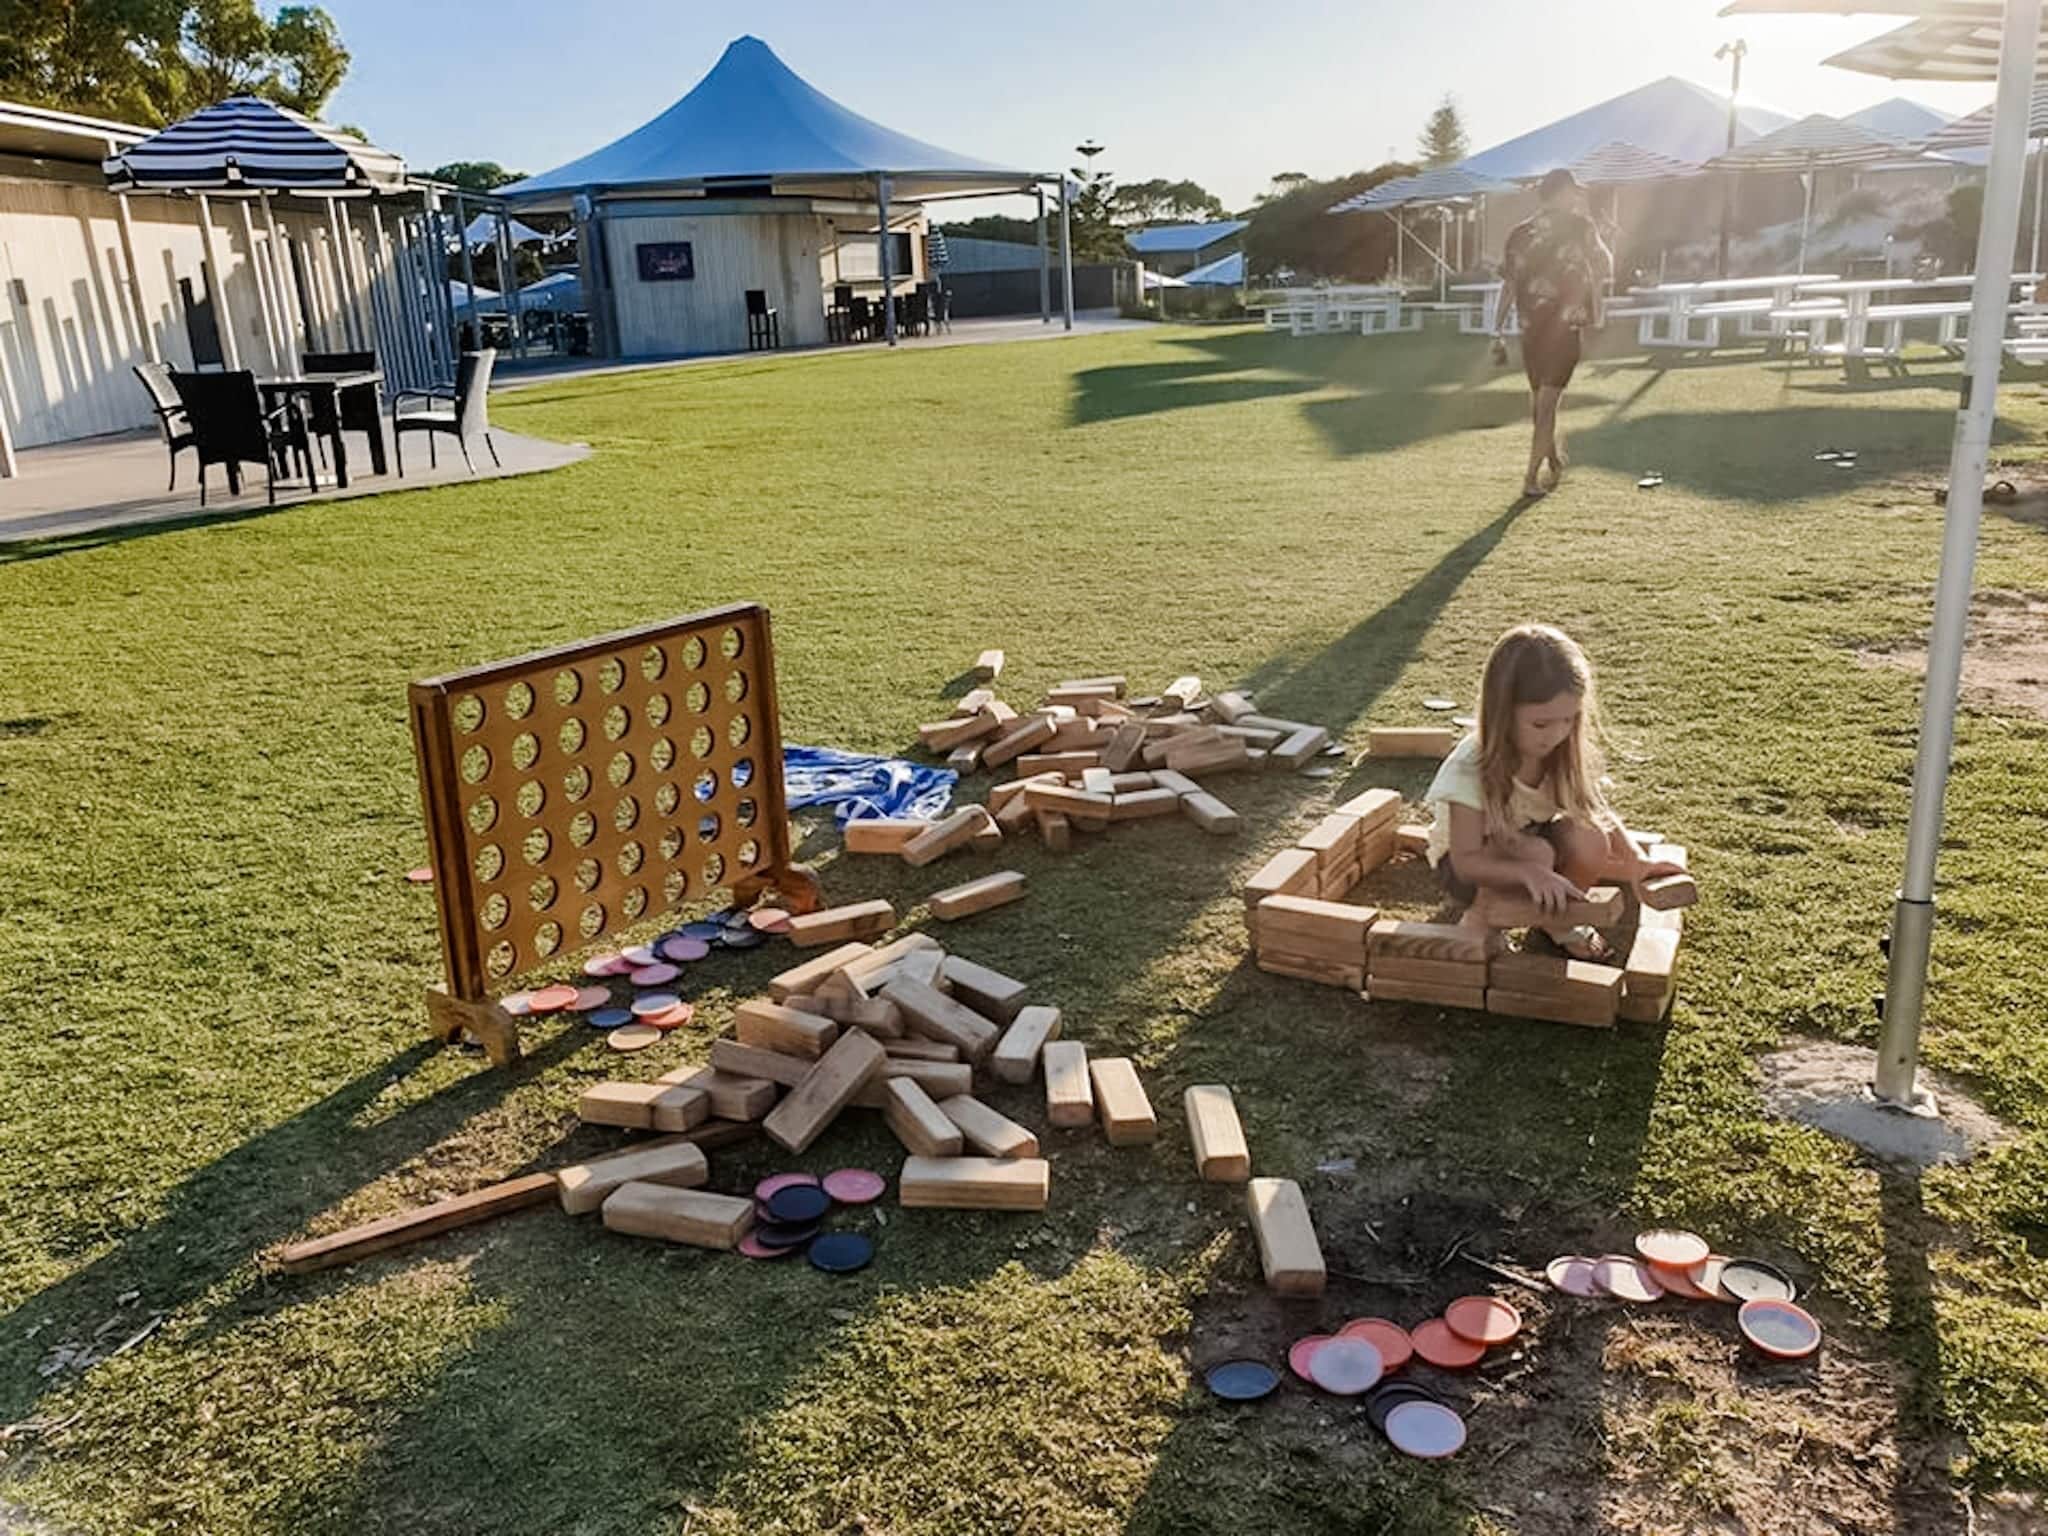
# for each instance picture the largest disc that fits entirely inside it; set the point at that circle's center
(665, 261)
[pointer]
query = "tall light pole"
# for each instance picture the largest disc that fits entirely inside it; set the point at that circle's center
(1734, 52)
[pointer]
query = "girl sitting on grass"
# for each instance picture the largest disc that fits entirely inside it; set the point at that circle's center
(1518, 804)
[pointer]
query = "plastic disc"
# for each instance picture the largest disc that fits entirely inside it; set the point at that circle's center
(1428, 1430)
(1390, 1339)
(1779, 1328)
(1346, 1367)
(765, 1190)
(742, 938)
(1440, 705)
(1678, 1282)
(769, 920)
(1668, 1246)
(670, 1018)
(588, 998)
(684, 949)
(754, 1248)
(785, 1234)
(605, 965)
(518, 1004)
(609, 1018)
(654, 975)
(1707, 1276)
(1382, 1400)
(654, 1002)
(1754, 1280)
(1242, 1381)
(1573, 1274)
(1435, 1343)
(424, 875)
(633, 1037)
(638, 954)
(1303, 1350)
(1483, 1319)
(841, 1253)
(1626, 1279)
(552, 999)
(703, 933)
(855, 1186)
(798, 1203)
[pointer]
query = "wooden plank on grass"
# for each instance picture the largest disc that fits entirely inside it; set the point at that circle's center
(988, 992)
(806, 977)
(388, 1232)
(837, 925)
(987, 1131)
(677, 1161)
(1016, 1055)
(1120, 1102)
(882, 834)
(1069, 1092)
(827, 1089)
(789, 1031)
(931, 1013)
(958, 901)
(693, 1216)
(975, 1183)
(918, 1122)
(1221, 1156)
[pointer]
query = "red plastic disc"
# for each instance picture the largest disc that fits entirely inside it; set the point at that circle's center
(1679, 1282)
(769, 920)
(1483, 1319)
(855, 1186)
(1669, 1246)
(1707, 1276)
(1782, 1329)
(1626, 1279)
(1303, 1351)
(754, 1248)
(1390, 1339)
(552, 999)
(1573, 1274)
(768, 1186)
(670, 1018)
(1435, 1343)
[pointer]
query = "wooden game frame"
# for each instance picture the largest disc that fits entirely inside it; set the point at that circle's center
(573, 792)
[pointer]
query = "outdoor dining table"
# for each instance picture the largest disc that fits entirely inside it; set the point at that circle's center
(322, 395)
(1859, 311)
(1688, 315)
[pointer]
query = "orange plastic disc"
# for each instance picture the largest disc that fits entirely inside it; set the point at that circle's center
(1679, 1282)
(1707, 1276)
(1626, 1279)
(1442, 1348)
(1390, 1339)
(632, 1037)
(672, 1018)
(1483, 1319)
(552, 999)
(1669, 1246)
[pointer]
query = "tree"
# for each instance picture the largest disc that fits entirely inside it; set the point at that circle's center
(1295, 231)
(1092, 220)
(1160, 201)
(311, 61)
(1443, 139)
(994, 226)
(475, 175)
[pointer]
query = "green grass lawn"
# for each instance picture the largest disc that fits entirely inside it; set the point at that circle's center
(210, 1017)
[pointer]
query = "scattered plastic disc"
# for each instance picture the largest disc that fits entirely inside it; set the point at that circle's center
(1573, 1274)
(1441, 706)
(670, 1018)
(609, 1018)
(654, 1002)
(840, 1253)
(742, 938)
(1383, 1399)
(798, 1203)
(1483, 1319)
(633, 1037)
(1242, 1381)
(1435, 1343)
(1669, 1246)
(855, 1186)
(424, 875)
(768, 920)
(606, 965)
(1345, 1367)
(1425, 1429)
(1707, 1276)
(552, 999)
(1303, 1350)
(765, 1190)
(1319, 773)
(1779, 1328)
(1390, 1339)
(754, 1248)
(1626, 1279)
(785, 1234)
(638, 954)
(518, 1004)
(658, 974)
(684, 948)
(1679, 1282)
(1754, 1280)
(588, 998)
(1650, 482)
(1465, 722)
(703, 933)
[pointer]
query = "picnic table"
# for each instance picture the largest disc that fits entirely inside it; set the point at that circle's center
(1371, 309)
(1872, 331)
(1688, 316)
(325, 395)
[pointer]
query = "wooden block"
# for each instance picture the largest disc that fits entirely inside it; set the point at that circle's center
(882, 834)
(956, 902)
(1596, 1012)
(1373, 806)
(1120, 1102)
(835, 925)
(1159, 727)
(878, 1016)
(1003, 795)
(936, 1016)
(989, 993)
(1375, 847)
(988, 836)
(926, 963)
(1216, 757)
(680, 1109)
(940, 1079)
(1221, 1156)
(1251, 736)
(1131, 783)
(1349, 977)
(789, 1031)
(806, 977)
(1116, 682)
(989, 1133)
(916, 1048)
(1554, 976)
(1412, 842)
(1273, 723)
(1068, 765)
(1297, 749)
(1069, 1091)
(676, 1160)
(1652, 963)
(945, 735)
(1021, 737)
(1124, 747)
(1075, 736)
(1413, 741)
(1335, 923)
(1068, 802)
(730, 1096)
(693, 1216)
(1142, 803)
(1670, 892)
(1435, 973)
(827, 1089)
(973, 701)
(1288, 1251)
(1078, 694)
(1181, 693)
(942, 837)
(1016, 1055)
(964, 760)
(1644, 1007)
(1210, 814)
(919, 1123)
(988, 666)
(1287, 873)
(1650, 917)
(1231, 707)
(975, 1183)
(1016, 813)
(1179, 783)
(1335, 836)
(1393, 989)
(1498, 909)
(388, 1232)
(630, 1105)
(1667, 853)
(1056, 830)
(1430, 941)
(751, 1061)
(1098, 781)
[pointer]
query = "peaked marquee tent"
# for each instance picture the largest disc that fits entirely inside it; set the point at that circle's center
(1667, 117)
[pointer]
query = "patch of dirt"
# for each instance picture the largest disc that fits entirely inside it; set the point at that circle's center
(1825, 1084)
(2005, 665)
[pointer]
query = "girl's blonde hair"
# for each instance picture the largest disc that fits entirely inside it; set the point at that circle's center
(1533, 664)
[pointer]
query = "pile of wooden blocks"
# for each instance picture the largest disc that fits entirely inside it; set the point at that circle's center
(1303, 924)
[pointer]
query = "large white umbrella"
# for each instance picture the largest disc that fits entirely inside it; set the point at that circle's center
(1621, 163)
(1811, 145)
(1991, 41)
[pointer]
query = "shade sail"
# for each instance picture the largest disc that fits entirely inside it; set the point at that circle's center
(1224, 272)
(753, 124)
(1447, 184)
(1813, 143)
(1935, 48)
(1621, 164)
(1974, 131)
(483, 231)
(248, 144)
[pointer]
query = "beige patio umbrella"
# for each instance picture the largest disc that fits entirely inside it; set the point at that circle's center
(1813, 144)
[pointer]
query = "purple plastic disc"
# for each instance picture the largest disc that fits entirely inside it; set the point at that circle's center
(654, 1002)
(754, 1248)
(683, 949)
(1425, 1429)
(765, 1190)
(1345, 1367)
(855, 1186)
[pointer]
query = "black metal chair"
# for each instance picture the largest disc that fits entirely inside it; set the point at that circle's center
(461, 413)
(839, 317)
(231, 427)
(913, 313)
(764, 325)
(860, 319)
(358, 406)
(169, 411)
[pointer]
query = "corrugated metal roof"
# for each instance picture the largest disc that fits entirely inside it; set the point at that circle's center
(1224, 272)
(1183, 237)
(1667, 117)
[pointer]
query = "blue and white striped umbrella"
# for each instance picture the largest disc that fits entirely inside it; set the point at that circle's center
(248, 144)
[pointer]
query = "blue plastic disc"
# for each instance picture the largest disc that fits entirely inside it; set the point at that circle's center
(1242, 1381)
(798, 1203)
(608, 1018)
(742, 938)
(841, 1253)
(704, 931)
(777, 1234)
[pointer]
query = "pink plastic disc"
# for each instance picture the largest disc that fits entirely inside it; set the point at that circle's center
(670, 1018)
(855, 1186)
(1429, 1430)
(685, 950)
(1345, 1367)
(1679, 1282)
(606, 965)
(424, 875)
(654, 1002)
(1302, 1352)
(769, 920)
(1680, 1250)
(1707, 1276)
(1626, 1279)
(638, 954)
(1572, 1274)
(658, 974)
(754, 1248)
(518, 1004)
(768, 1186)
(588, 998)
(552, 999)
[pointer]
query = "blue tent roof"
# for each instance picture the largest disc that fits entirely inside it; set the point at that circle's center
(1224, 272)
(754, 119)
(1668, 117)
(1182, 237)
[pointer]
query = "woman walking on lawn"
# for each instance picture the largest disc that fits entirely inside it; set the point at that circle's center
(1552, 271)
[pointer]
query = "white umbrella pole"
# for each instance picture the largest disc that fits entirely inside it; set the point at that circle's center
(1044, 267)
(1066, 253)
(1912, 936)
(2034, 262)
(217, 289)
(1806, 218)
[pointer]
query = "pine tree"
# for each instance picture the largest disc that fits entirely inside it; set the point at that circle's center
(1443, 139)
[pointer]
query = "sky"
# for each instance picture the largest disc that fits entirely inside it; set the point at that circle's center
(1192, 89)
